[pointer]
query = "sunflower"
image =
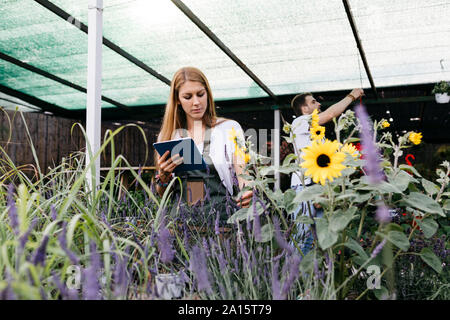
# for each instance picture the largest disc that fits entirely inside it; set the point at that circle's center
(233, 136)
(415, 138)
(385, 124)
(241, 152)
(317, 132)
(323, 161)
(350, 149)
(315, 118)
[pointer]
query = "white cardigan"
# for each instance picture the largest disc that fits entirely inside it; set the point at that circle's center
(222, 149)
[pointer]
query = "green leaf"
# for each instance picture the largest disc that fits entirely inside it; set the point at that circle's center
(409, 168)
(430, 187)
(399, 239)
(382, 187)
(309, 193)
(304, 219)
(363, 197)
(289, 158)
(339, 220)
(431, 259)
(446, 205)
(354, 245)
(325, 236)
(423, 202)
(307, 263)
(402, 180)
(381, 294)
(289, 196)
(239, 215)
(266, 232)
(428, 226)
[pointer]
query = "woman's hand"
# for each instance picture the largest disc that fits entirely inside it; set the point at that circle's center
(167, 165)
(244, 201)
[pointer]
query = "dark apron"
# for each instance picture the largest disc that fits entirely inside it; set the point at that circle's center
(206, 187)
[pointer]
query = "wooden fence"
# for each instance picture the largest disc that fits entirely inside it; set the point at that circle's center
(54, 138)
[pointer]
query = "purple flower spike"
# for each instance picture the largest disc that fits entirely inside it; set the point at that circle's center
(216, 225)
(13, 217)
(120, 278)
(91, 285)
(280, 238)
(63, 244)
(369, 148)
(199, 268)
(294, 263)
(383, 215)
(276, 289)
(378, 249)
(165, 244)
(39, 255)
(256, 221)
(24, 238)
(54, 213)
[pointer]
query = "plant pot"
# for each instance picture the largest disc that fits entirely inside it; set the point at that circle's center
(442, 97)
(169, 286)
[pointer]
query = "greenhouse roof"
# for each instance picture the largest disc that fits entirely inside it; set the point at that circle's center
(246, 48)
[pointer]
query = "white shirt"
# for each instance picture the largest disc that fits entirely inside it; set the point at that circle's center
(222, 149)
(302, 139)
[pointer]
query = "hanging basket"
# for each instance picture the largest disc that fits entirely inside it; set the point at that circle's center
(442, 97)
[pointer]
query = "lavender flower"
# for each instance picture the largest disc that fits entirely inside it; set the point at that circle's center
(165, 244)
(382, 214)
(54, 213)
(256, 221)
(369, 148)
(66, 294)
(199, 268)
(91, 285)
(280, 238)
(378, 249)
(276, 289)
(294, 263)
(222, 263)
(39, 255)
(63, 244)
(120, 278)
(24, 237)
(205, 247)
(216, 225)
(13, 217)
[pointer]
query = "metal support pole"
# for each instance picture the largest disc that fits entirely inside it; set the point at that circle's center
(94, 89)
(276, 146)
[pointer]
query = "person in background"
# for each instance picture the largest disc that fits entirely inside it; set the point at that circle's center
(304, 105)
(190, 112)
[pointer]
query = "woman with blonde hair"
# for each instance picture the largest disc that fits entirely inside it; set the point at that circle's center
(190, 112)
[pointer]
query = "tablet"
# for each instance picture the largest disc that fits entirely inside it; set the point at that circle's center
(186, 148)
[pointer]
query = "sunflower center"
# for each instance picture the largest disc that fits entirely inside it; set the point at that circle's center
(323, 161)
(318, 132)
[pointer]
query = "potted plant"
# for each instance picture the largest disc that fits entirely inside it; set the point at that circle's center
(441, 91)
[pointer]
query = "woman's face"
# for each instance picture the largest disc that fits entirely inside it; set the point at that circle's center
(194, 99)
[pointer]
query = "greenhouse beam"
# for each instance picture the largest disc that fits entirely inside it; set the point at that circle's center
(44, 105)
(48, 75)
(360, 47)
(222, 46)
(80, 25)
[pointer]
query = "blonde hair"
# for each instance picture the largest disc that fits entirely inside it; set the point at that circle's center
(174, 115)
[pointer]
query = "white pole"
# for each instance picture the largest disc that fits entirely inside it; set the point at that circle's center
(276, 147)
(94, 87)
